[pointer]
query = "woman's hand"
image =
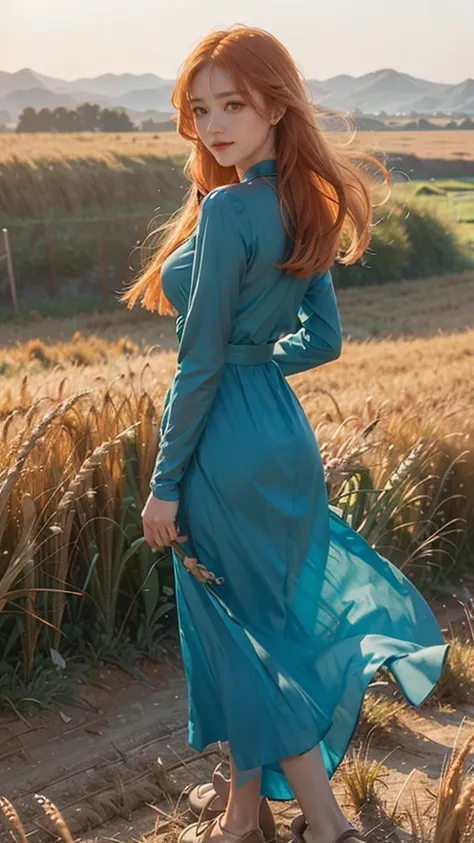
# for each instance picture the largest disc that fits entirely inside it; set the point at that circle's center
(159, 527)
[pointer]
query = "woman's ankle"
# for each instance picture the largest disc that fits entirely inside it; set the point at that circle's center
(238, 823)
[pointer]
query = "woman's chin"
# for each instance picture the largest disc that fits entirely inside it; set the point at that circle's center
(226, 155)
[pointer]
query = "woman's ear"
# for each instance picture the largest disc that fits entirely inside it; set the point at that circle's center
(277, 114)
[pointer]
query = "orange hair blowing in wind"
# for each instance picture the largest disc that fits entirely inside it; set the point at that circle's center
(325, 195)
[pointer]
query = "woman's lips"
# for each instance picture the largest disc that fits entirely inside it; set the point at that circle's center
(222, 145)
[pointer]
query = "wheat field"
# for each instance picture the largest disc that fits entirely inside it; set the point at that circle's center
(73, 394)
(409, 343)
(446, 145)
(408, 359)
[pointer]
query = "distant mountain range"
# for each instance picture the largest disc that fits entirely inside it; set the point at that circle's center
(147, 95)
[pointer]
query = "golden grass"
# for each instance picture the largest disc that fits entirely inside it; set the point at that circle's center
(452, 818)
(456, 685)
(404, 391)
(379, 720)
(445, 145)
(62, 464)
(427, 307)
(66, 466)
(362, 779)
(106, 145)
(96, 146)
(415, 382)
(81, 351)
(414, 386)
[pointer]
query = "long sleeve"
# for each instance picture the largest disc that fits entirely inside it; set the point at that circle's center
(219, 264)
(319, 339)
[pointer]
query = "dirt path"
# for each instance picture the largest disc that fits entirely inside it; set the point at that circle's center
(118, 729)
(117, 768)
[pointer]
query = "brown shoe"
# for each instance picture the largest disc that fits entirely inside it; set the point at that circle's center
(200, 832)
(210, 799)
(299, 826)
(207, 801)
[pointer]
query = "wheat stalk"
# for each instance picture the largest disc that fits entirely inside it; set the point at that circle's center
(54, 814)
(91, 463)
(36, 434)
(12, 819)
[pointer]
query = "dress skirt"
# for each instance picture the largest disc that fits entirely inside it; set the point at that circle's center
(279, 656)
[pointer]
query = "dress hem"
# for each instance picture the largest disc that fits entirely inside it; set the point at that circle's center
(268, 792)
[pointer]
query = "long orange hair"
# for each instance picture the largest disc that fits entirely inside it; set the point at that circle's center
(327, 197)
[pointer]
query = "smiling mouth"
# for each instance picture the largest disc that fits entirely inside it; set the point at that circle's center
(224, 143)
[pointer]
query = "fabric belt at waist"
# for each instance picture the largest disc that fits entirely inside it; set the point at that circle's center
(249, 355)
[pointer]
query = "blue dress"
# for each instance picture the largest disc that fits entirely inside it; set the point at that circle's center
(278, 657)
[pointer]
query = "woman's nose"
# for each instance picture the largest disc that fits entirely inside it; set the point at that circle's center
(214, 123)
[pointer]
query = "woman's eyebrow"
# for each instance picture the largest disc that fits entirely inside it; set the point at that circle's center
(218, 96)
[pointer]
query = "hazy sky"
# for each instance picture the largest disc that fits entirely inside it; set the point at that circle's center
(432, 39)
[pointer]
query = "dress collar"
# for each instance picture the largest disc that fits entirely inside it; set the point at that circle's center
(266, 167)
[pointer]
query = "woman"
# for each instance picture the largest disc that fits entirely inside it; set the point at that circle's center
(279, 649)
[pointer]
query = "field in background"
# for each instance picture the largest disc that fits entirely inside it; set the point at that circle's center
(423, 308)
(450, 199)
(102, 145)
(421, 382)
(408, 343)
(78, 206)
(448, 145)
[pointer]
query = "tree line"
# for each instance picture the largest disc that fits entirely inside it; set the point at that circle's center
(84, 118)
(92, 118)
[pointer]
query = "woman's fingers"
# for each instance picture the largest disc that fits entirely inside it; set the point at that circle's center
(150, 537)
(159, 533)
(155, 534)
(159, 522)
(162, 533)
(169, 533)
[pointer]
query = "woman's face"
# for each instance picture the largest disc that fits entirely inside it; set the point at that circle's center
(222, 116)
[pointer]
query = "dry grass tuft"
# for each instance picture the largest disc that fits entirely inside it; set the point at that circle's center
(35, 354)
(456, 685)
(362, 780)
(379, 721)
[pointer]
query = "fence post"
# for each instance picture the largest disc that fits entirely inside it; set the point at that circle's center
(103, 268)
(11, 274)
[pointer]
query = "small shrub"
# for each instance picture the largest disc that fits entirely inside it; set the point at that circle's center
(362, 779)
(379, 719)
(456, 685)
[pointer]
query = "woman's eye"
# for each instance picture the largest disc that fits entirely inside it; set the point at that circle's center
(198, 110)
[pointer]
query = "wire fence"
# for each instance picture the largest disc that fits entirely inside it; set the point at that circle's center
(71, 259)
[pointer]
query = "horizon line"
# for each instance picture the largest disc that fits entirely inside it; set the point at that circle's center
(168, 79)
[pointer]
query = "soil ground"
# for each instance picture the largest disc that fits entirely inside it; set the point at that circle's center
(119, 768)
